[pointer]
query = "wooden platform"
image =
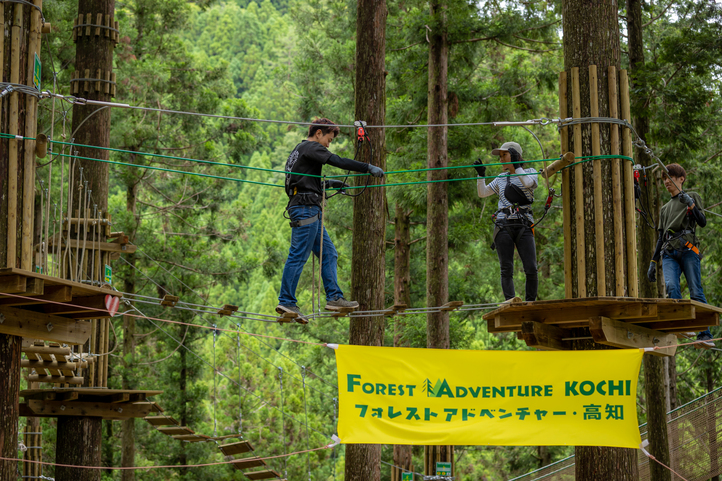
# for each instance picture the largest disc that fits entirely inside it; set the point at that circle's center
(50, 309)
(113, 404)
(615, 321)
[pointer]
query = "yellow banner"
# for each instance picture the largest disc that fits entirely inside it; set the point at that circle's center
(502, 398)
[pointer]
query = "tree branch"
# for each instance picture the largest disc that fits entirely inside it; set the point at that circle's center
(535, 41)
(404, 48)
(524, 48)
(652, 20)
(480, 39)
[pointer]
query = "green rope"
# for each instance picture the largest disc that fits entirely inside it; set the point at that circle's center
(171, 170)
(162, 156)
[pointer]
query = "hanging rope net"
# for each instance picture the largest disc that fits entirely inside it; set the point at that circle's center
(695, 444)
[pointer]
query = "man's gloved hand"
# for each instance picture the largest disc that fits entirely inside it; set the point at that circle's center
(375, 171)
(334, 184)
(685, 198)
(515, 158)
(480, 168)
(652, 272)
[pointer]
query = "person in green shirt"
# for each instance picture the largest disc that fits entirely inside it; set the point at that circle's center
(677, 244)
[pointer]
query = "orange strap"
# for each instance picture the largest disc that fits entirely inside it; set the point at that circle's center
(692, 247)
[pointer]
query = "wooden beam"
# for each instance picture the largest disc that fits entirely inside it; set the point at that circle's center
(13, 284)
(579, 190)
(50, 293)
(701, 322)
(630, 336)
(545, 336)
(576, 314)
(24, 323)
(236, 448)
(99, 246)
(58, 351)
(597, 181)
(80, 305)
(55, 379)
(629, 207)
(34, 364)
(616, 185)
(102, 410)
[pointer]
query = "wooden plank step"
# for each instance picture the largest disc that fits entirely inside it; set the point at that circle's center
(451, 305)
(236, 448)
(169, 301)
(266, 474)
(176, 430)
(227, 310)
(246, 463)
(192, 438)
(74, 408)
(50, 293)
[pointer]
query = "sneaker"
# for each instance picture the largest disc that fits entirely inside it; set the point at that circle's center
(341, 304)
(704, 340)
(283, 310)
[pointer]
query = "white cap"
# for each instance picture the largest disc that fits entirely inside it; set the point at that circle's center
(505, 148)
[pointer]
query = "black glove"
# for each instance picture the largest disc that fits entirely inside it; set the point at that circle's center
(480, 168)
(685, 198)
(375, 171)
(515, 158)
(334, 184)
(652, 272)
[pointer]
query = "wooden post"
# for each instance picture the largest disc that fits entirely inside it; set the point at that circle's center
(629, 214)
(597, 177)
(15, 48)
(578, 190)
(31, 128)
(566, 202)
(616, 185)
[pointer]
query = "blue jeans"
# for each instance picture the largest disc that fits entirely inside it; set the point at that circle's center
(304, 240)
(674, 263)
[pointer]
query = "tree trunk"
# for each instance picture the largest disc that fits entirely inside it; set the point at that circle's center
(369, 221)
(182, 384)
(79, 439)
(85, 450)
(10, 348)
(437, 202)
(128, 426)
(591, 37)
(403, 454)
(654, 374)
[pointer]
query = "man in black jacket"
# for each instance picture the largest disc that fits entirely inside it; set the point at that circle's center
(304, 189)
(677, 244)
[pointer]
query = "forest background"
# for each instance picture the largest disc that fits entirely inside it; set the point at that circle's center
(213, 241)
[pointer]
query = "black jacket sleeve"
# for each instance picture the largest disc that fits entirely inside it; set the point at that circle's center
(699, 216)
(348, 164)
(658, 249)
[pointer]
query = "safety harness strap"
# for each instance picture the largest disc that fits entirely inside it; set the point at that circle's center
(301, 223)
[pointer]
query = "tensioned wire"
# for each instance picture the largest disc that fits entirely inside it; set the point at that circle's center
(211, 176)
(208, 162)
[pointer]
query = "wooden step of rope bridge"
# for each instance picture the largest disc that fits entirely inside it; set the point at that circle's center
(622, 322)
(112, 404)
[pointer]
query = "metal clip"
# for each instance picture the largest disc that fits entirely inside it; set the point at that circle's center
(2, 317)
(50, 326)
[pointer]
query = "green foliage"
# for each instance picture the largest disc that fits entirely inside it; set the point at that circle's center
(214, 242)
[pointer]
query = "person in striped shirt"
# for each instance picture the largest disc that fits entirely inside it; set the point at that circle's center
(514, 220)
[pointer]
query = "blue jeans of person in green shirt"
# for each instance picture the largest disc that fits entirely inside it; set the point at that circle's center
(674, 263)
